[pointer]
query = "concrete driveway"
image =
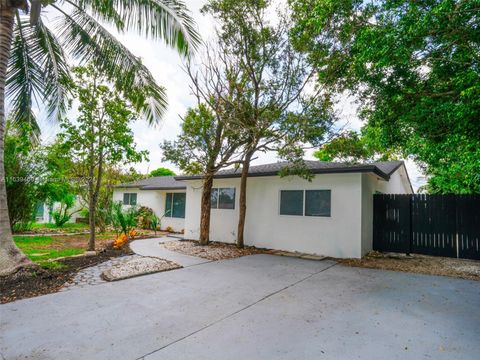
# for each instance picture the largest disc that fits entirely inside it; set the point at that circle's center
(255, 307)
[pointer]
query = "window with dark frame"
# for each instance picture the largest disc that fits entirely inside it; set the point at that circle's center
(129, 198)
(305, 202)
(175, 205)
(291, 202)
(317, 202)
(223, 198)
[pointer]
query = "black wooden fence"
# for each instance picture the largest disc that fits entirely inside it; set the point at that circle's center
(440, 225)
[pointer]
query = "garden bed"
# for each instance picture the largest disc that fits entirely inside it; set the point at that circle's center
(34, 282)
(422, 264)
(212, 251)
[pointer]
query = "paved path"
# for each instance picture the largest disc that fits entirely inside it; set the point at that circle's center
(253, 307)
(152, 247)
(145, 247)
(91, 275)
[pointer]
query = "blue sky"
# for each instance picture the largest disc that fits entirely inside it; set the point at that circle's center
(165, 65)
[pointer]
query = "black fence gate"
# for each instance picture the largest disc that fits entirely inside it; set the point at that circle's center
(440, 225)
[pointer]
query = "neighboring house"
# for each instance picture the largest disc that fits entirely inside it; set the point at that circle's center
(331, 215)
(44, 212)
(163, 194)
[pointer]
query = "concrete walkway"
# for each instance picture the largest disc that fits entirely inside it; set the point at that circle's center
(253, 307)
(152, 247)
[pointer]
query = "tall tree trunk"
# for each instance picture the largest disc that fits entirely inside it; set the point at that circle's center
(243, 200)
(91, 216)
(93, 205)
(11, 258)
(206, 208)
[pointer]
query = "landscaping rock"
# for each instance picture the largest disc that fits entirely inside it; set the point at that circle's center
(136, 267)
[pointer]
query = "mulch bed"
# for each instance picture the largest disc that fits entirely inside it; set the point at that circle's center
(28, 283)
(422, 264)
(212, 251)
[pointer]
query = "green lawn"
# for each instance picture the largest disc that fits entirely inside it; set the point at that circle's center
(53, 226)
(41, 249)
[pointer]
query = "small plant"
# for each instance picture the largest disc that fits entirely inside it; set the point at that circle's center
(123, 221)
(169, 229)
(154, 223)
(62, 215)
(120, 241)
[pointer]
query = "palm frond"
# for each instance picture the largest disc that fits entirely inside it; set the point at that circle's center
(168, 20)
(55, 69)
(24, 77)
(88, 42)
(37, 73)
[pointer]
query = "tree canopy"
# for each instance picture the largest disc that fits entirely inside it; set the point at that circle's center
(414, 68)
(162, 171)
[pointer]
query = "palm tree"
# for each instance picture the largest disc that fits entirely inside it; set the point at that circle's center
(35, 58)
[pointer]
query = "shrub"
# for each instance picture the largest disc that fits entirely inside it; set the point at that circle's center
(123, 221)
(144, 217)
(154, 223)
(169, 229)
(62, 215)
(22, 226)
(120, 241)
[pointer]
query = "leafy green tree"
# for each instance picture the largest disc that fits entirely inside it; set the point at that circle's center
(161, 172)
(99, 136)
(413, 65)
(22, 172)
(206, 144)
(34, 65)
(269, 102)
(352, 147)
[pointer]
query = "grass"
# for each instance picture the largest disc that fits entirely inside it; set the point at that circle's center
(65, 226)
(40, 249)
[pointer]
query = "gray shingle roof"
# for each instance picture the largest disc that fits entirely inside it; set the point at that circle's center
(155, 183)
(383, 169)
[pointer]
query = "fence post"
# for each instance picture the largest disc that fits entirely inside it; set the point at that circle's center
(410, 228)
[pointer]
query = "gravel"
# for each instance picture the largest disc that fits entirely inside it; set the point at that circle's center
(423, 264)
(212, 251)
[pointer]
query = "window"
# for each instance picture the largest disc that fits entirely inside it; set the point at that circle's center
(317, 202)
(305, 202)
(129, 199)
(40, 210)
(175, 205)
(223, 198)
(291, 202)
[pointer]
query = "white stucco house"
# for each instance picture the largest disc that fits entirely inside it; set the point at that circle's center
(163, 194)
(331, 215)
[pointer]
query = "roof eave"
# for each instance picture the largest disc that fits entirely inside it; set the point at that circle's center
(359, 169)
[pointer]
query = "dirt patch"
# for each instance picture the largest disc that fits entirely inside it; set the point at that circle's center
(212, 251)
(29, 283)
(422, 264)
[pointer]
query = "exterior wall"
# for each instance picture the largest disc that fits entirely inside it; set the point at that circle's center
(338, 235)
(154, 199)
(223, 222)
(48, 218)
(371, 184)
